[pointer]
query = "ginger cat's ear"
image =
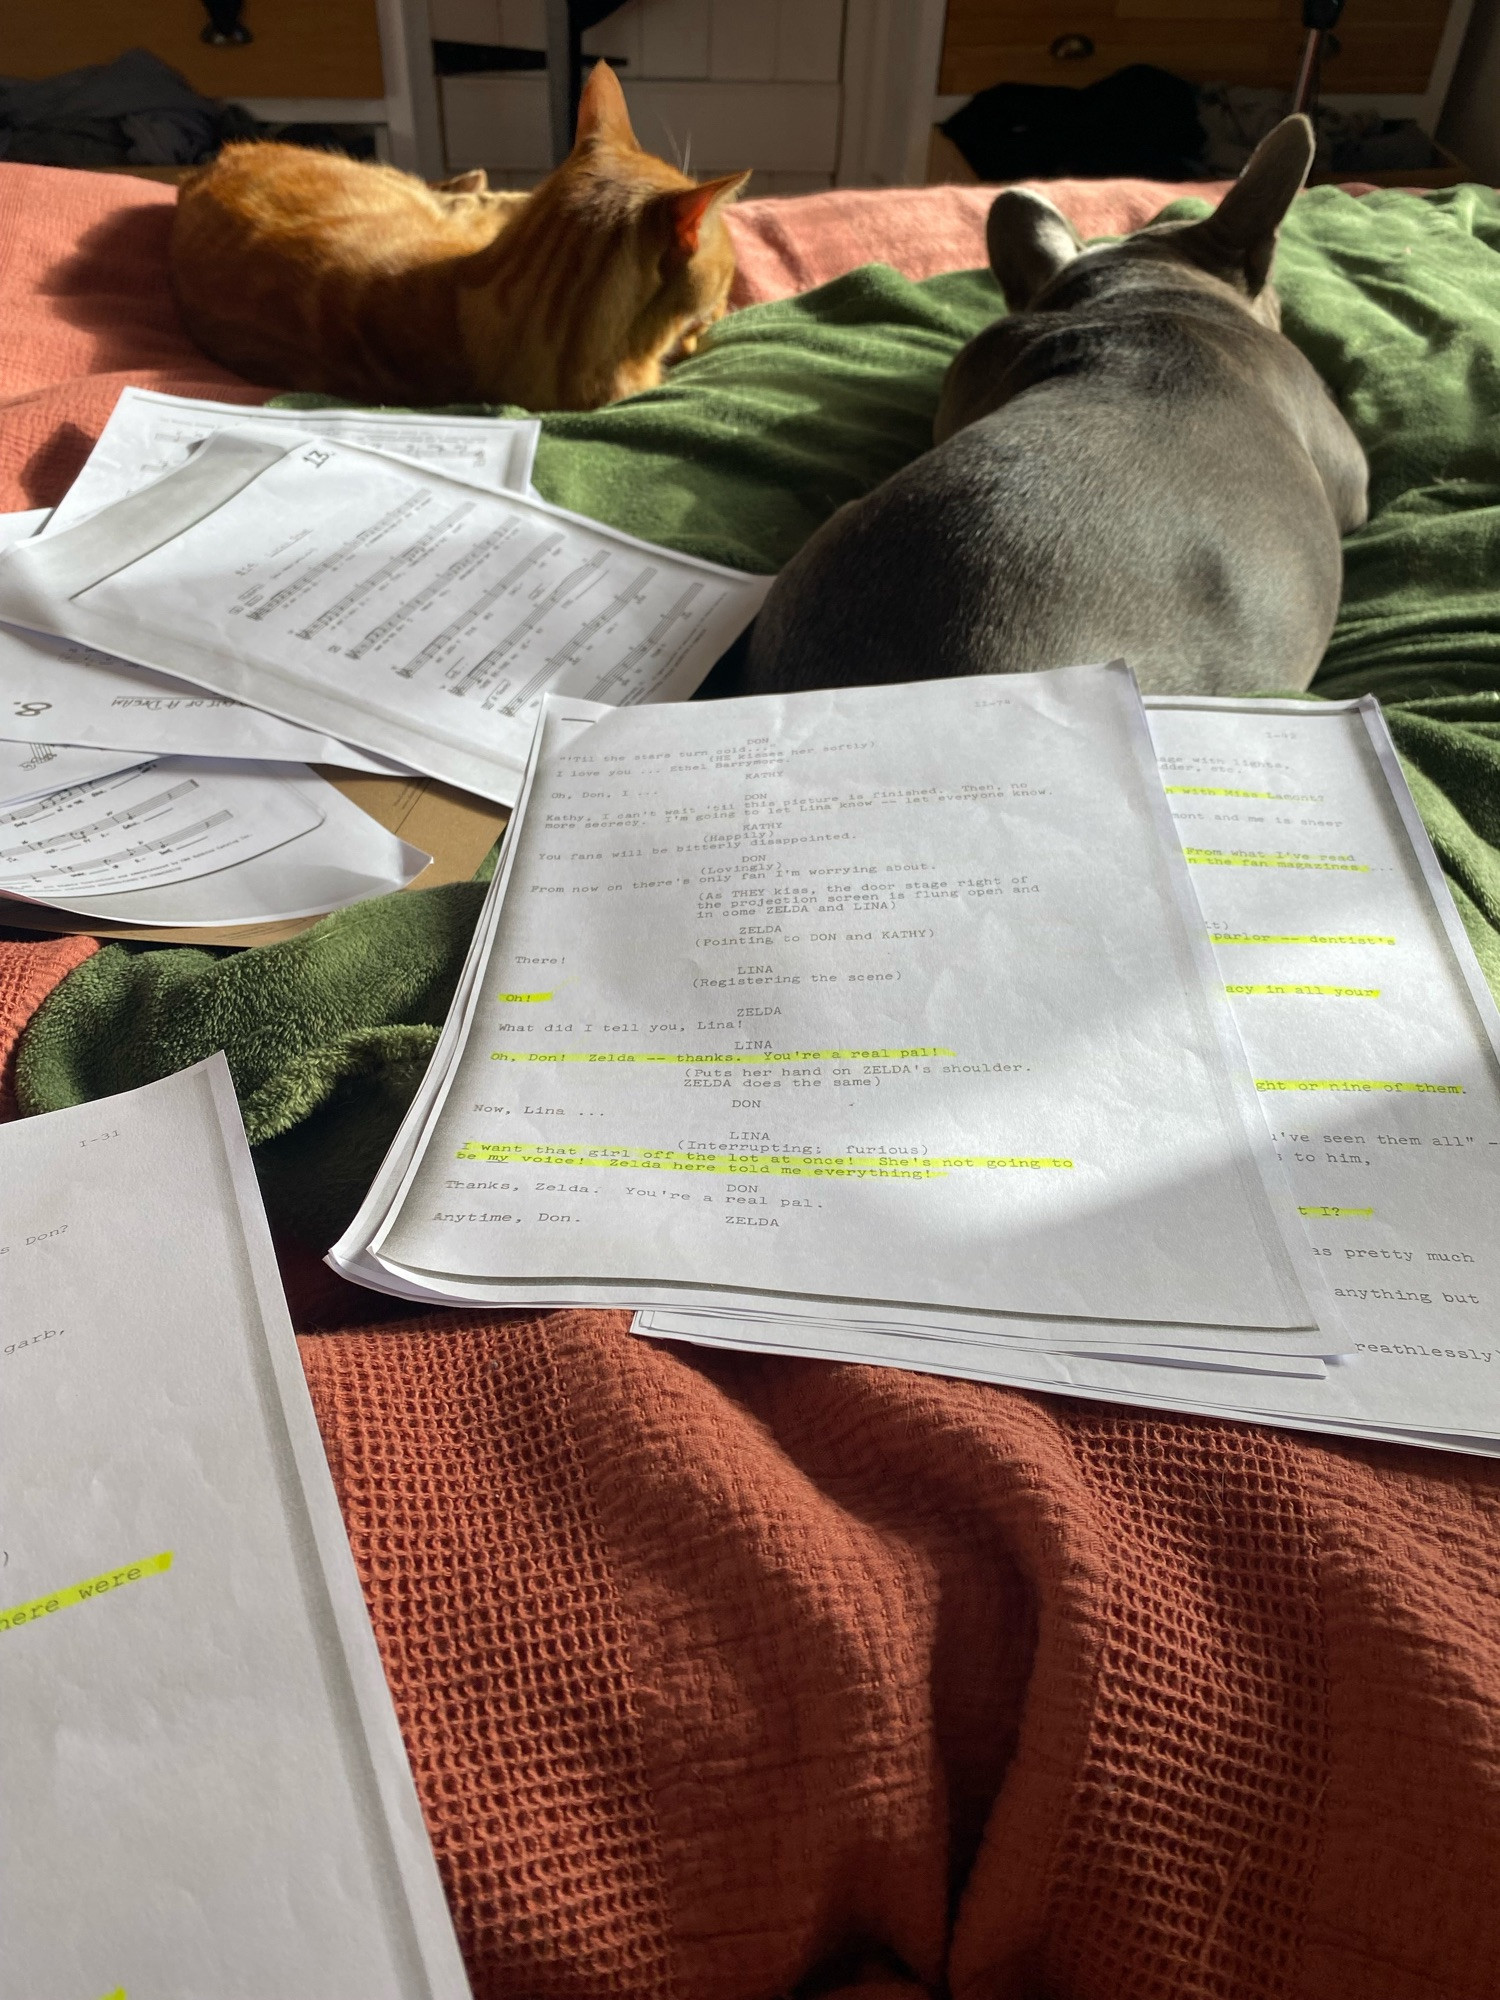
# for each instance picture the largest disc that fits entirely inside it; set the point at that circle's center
(687, 209)
(601, 110)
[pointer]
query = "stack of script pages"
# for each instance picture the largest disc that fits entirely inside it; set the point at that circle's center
(227, 596)
(197, 1722)
(1010, 1029)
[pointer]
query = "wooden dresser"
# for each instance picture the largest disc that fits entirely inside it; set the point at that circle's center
(301, 49)
(1386, 48)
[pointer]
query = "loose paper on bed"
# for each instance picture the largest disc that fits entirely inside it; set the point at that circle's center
(146, 827)
(180, 841)
(149, 434)
(378, 601)
(29, 769)
(917, 969)
(203, 1788)
(54, 691)
(1376, 1047)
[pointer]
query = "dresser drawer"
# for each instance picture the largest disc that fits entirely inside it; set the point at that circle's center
(302, 48)
(1385, 46)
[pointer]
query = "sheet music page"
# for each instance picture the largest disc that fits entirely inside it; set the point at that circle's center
(146, 827)
(386, 604)
(883, 993)
(28, 769)
(54, 691)
(149, 433)
(55, 688)
(203, 1789)
(344, 858)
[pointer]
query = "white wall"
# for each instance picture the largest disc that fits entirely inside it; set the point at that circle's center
(713, 84)
(731, 41)
(1471, 118)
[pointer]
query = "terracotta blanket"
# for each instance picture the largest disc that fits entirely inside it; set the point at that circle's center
(737, 1676)
(723, 1675)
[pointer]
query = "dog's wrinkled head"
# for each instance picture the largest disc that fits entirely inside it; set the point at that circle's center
(1035, 252)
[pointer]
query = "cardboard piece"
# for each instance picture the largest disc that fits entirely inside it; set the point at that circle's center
(455, 828)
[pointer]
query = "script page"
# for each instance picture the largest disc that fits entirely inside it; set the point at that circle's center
(202, 1785)
(387, 604)
(149, 433)
(1372, 1038)
(881, 993)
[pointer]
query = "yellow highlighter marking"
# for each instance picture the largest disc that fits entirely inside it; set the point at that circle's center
(79, 1593)
(1234, 792)
(797, 1166)
(1269, 937)
(1354, 1083)
(118, 1994)
(1213, 857)
(1335, 1211)
(519, 998)
(1344, 992)
(764, 1056)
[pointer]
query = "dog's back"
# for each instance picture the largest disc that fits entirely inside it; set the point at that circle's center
(1135, 462)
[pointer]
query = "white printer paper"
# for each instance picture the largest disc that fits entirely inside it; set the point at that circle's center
(1165, 1347)
(1018, 1364)
(29, 769)
(882, 994)
(149, 433)
(380, 602)
(1374, 1039)
(203, 1790)
(148, 826)
(344, 858)
(54, 691)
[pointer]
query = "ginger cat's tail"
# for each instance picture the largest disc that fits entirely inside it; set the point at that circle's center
(311, 271)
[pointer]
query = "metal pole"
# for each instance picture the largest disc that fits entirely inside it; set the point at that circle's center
(1306, 90)
(1318, 17)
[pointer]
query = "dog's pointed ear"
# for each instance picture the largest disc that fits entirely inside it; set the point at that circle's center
(1029, 242)
(1239, 238)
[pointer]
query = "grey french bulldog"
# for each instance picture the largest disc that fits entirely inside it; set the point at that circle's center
(1135, 463)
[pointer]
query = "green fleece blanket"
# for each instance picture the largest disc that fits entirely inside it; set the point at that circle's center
(789, 410)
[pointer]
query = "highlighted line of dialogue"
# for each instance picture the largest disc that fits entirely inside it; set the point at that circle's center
(1212, 857)
(1340, 992)
(79, 1593)
(1355, 1083)
(1272, 937)
(754, 1059)
(1236, 792)
(795, 1166)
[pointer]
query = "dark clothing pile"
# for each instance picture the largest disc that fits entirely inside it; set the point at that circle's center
(1147, 122)
(134, 111)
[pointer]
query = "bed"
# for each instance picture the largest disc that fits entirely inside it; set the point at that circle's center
(724, 1674)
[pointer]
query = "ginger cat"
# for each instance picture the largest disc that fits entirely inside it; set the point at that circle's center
(314, 271)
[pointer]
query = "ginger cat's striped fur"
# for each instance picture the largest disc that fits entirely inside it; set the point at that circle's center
(317, 272)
